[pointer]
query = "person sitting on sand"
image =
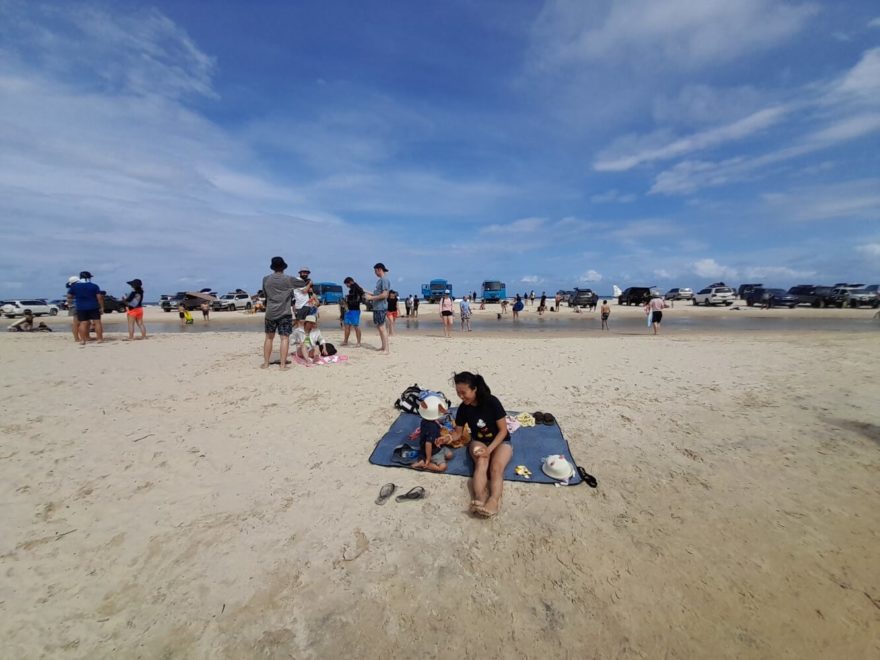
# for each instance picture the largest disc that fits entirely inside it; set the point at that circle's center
(490, 444)
(309, 341)
(433, 457)
(24, 324)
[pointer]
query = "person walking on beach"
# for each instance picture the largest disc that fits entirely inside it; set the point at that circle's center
(654, 307)
(446, 314)
(206, 310)
(490, 445)
(134, 303)
(391, 316)
(465, 309)
(353, 311)
(517, 307)
(89, 304)
(605, 311)
(379, 298)
(415, 309)
(408, 304)
(542, 306)
(532, 298)
(279, 291)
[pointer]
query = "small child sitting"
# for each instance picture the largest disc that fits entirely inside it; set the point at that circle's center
(310, 345)
(433, 457)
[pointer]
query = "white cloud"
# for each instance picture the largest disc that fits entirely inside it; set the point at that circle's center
(613, 195)
(531, 279)
(870, 249)
(698, 104)
(142, 53)
(854, 200)
(874, 22)
(663, 274)
(615, 159)
(639, 230)
(591, 276)
(521, 226)
(776, 272)
(678, 33)
(713, 270)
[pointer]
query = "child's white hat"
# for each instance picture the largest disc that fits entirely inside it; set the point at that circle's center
(432, 408)
(310, 319)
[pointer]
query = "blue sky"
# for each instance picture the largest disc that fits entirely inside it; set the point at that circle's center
(670, 143)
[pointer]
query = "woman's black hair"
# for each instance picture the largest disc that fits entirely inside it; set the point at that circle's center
(475, 382)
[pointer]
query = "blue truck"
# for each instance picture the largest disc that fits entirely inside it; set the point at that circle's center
(327, 293)
(493, 291)
(433, 291)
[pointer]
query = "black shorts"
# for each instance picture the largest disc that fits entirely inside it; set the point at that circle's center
(604, 317)
(302, 313)
(656, 316)
(283, 326)
(446, 313)
(88, 315)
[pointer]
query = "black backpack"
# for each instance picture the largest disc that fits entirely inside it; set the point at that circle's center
(408, 401)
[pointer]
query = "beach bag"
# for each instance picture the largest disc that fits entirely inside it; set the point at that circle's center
(408, 401)
(330, 348)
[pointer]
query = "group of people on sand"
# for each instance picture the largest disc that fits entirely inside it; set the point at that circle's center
(85, 305)
(292, 309)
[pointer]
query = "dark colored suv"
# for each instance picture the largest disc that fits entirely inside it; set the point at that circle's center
(745, 289)
(771, 298)
(583, 298)
(637, 295)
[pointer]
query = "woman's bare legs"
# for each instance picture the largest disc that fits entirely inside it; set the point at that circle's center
(497, 462)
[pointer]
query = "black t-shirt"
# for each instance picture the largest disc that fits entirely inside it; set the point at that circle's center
(392, 304)
(482, 419)
(353, 299)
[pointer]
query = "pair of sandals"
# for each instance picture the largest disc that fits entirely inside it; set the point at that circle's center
(544, 418)
(416, 493)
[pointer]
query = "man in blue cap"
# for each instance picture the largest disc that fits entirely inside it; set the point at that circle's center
(89, 304)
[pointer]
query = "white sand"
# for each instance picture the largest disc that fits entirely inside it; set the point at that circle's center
(168, 498)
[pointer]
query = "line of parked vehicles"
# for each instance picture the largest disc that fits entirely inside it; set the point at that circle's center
(842, 294)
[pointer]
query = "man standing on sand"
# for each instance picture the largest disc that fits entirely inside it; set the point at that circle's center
(379, 298)
(655, 309)
(352, 318)
(89, 305)
(279, 290)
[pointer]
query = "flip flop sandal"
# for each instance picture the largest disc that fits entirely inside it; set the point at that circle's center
(588, 478)
(549, 419)
(385, 492)
(416, 493)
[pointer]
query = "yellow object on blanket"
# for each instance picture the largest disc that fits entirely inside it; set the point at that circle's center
(461, 442)
(526, 419)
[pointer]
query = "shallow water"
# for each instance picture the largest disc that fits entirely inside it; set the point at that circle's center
(587, 323)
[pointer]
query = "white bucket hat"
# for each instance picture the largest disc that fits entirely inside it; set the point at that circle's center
(72, 279)
(556, 466)
(432, 407)
(310, 319)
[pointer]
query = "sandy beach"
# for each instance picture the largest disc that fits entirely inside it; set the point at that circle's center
(167, 498)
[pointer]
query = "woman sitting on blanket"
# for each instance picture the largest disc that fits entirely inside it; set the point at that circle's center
(490, 444)
(309, 341)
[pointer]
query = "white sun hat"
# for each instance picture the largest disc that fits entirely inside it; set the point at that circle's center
(432, 407)
(72, 279)
(556, 466)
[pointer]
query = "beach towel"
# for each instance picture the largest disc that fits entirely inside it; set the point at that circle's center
(530, 446)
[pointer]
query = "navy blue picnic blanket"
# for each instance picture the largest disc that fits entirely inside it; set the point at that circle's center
(530, 445)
